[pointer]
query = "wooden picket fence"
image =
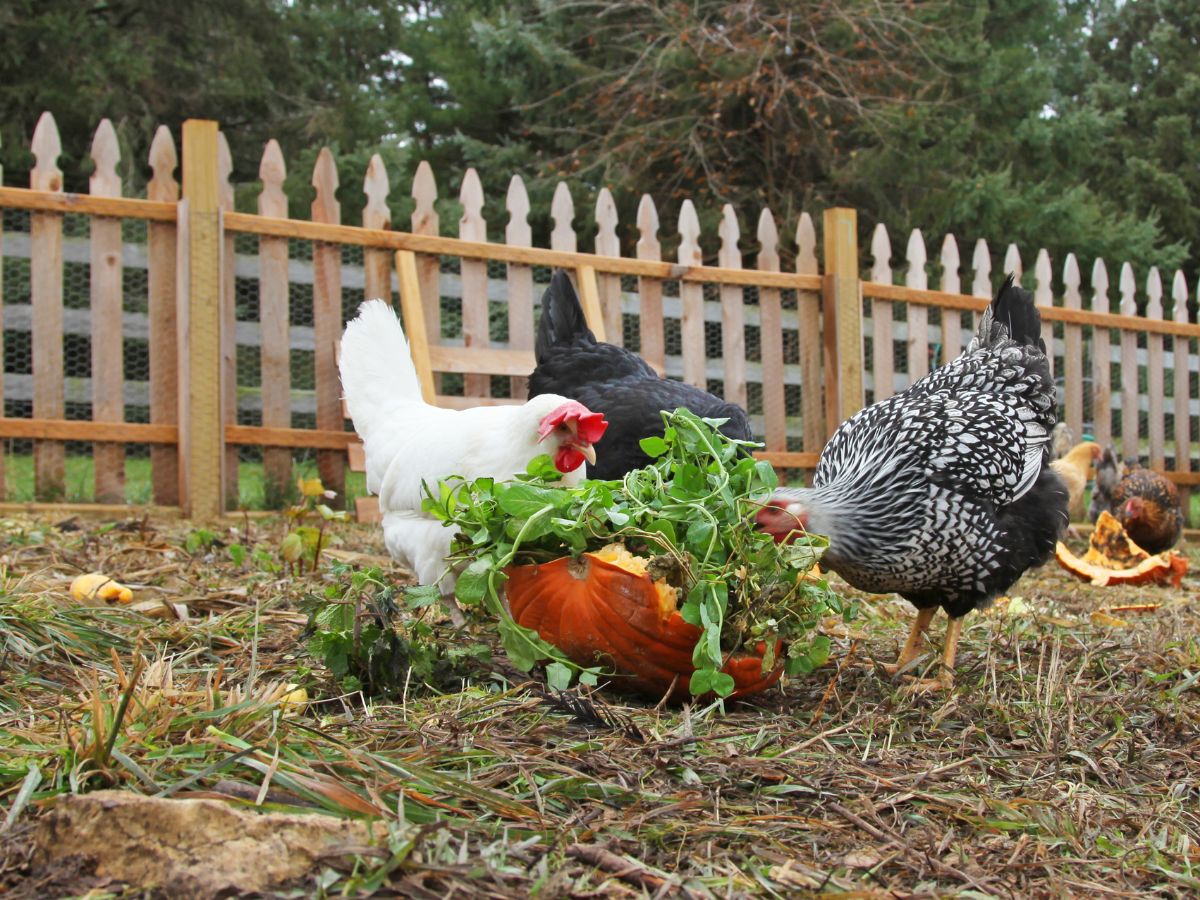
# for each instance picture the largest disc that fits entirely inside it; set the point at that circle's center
(800, 349)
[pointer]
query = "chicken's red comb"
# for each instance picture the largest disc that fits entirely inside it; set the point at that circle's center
(591, 427)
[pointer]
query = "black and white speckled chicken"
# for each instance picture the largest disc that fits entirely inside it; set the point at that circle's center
(943, 493)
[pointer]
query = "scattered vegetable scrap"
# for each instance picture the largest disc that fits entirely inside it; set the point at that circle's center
(1113, 558)
(96, 587)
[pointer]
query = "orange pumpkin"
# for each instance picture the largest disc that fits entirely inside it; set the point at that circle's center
(1113, 558)
(597, 612)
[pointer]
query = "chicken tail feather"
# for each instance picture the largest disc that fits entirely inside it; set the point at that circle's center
(562, 317)
(375, 364)
(1011, 316)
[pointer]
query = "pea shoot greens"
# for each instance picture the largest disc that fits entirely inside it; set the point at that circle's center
(693, 507)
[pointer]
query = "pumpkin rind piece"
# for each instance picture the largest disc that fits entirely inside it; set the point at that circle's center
(1113, 558)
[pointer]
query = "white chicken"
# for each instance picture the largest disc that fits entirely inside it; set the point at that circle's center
(408, 442)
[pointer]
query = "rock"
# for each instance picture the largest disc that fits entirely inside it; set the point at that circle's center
(191, 848)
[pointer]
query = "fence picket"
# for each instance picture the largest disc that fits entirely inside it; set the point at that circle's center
(1183, 422)
(1155, 425)
(883, 354)
(377, 262)
(425, 221)
(3, 411)
(609, 285)
(808, 303)
(691, 296)
(918, 314)
(1012, 263)
(517, 233)
(733, 311)
(952, 343)
(653, 338)
(46, 295)
(1129, 367)
(163, 315)
(1073, 350)
(981, 283)
(771, 337)
(327, 323)
(274, 323)
(1043, 295)
(1101, 360)
(472, 227)
(108, 355)
(229, 396)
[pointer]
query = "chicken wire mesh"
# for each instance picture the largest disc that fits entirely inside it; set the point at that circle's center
(77, 357)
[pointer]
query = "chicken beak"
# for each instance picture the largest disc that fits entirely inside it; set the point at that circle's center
(588, 451)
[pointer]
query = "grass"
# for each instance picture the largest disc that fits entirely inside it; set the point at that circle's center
(1066, 761)
(80, 481)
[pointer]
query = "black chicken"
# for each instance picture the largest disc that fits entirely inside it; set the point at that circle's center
(943, 493)
(613, 381)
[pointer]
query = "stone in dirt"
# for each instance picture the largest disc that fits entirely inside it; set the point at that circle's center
(192, 848)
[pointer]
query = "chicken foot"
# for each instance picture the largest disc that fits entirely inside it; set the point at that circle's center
(912, 646)
(945, 679)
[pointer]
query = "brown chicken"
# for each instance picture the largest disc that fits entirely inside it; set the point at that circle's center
(1074, 468)
(1147, 506)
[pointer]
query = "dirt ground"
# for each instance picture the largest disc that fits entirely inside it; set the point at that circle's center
(1064, 762)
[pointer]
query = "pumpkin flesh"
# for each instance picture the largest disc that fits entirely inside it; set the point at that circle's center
(598, 612)
(1113, 558)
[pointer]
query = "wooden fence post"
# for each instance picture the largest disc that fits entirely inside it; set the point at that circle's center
(843, 317)
(274, 317)
(229, 366)
(3, 495)
(201, 436)
(517, 233)
(809, 308)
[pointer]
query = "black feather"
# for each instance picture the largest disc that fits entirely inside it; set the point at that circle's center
(614, 381)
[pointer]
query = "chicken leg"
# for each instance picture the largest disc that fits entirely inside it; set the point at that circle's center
(945, 678)
(912, 646)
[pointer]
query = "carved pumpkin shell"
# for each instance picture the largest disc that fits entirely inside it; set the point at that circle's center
(1113, 558)
(597, 612)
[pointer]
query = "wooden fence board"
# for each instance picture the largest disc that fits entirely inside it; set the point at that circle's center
(653, 336)
(1073, 351)
(377, 263)
(1101, 360)
(1182, 390)
(1155, 424)
(327, 323)
(275, 370)
(1129, 368)
(692, 297)
(472, 227)
(229, 365)
(108, 355)
(160, 280)
(517, 233)
(733, 312)
(774, 401)
(952, 331)
(46, 294)
(2, 409)
(883, 362)
(808, 309)
(608, 285)
(918, 316)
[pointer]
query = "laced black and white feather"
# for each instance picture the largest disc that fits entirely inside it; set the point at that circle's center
(911, 490)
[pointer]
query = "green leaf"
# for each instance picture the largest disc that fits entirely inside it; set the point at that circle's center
(558, 676)
(653, 447)
(702, 681)
(422, 595)
(525, 500)
(723, 684)
(473, 583)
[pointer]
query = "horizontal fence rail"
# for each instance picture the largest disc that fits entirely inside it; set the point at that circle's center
(119, 314)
